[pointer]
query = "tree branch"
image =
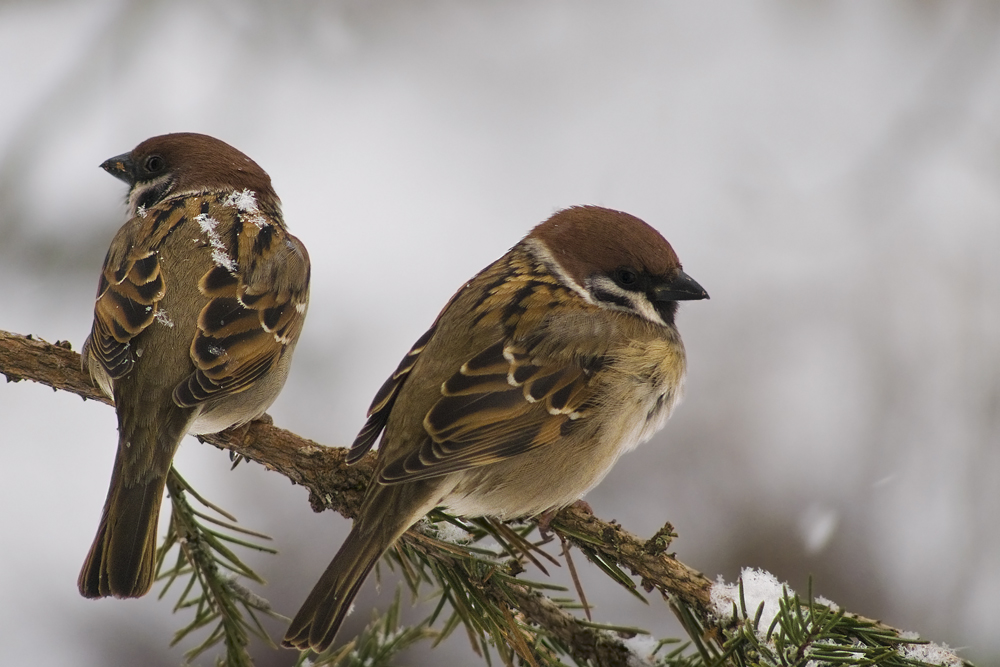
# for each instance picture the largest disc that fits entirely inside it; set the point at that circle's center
(334, 485)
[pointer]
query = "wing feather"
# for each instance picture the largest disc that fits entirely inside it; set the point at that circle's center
(385, 398)
(128, 296)
(256, 302)
(501, 403)
(255, 311)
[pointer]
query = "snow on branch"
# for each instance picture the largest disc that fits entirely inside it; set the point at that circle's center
(756, 615)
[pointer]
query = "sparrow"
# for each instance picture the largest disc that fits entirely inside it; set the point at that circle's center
(199, 305)
(538, 374)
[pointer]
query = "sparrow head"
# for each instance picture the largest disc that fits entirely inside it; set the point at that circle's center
(185, 162)
(617, 261)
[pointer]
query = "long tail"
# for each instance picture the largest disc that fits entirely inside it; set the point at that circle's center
(122, 559)
(317, 622)
(387, 513)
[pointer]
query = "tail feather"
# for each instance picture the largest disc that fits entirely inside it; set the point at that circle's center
(318, 621)
(122, 559)
(387, 513)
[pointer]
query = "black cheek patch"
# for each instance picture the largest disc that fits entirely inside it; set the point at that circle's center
(611, 297)
(152, 195)
(667, 310)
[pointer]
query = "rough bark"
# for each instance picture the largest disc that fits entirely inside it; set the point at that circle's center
(334, 485)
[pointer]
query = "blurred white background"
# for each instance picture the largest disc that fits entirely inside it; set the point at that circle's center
(827, 170)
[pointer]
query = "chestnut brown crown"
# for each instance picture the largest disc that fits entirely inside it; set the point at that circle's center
(619, 261)
(186, 162)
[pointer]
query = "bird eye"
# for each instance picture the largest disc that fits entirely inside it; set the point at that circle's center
(154, 163)
(625, 277)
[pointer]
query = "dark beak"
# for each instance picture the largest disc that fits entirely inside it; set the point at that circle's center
(681, 287)
(121, 166)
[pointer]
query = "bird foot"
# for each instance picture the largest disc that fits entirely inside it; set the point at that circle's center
(240, 434)
(545, 519)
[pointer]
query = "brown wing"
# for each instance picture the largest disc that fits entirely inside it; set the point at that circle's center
(385, 398)
(378, 413)
(254, 313)
(500, 404)
(127, 298)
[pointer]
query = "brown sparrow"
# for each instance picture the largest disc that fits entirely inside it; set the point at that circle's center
(538, 374)
(200, 302)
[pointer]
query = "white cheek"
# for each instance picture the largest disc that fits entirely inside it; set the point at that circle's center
(645, 308)
(638, 303)
(138, 192)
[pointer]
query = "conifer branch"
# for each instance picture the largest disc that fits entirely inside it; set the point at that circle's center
(334, 485)
(515, 615)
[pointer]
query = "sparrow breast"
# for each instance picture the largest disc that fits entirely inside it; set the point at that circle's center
(591, 380)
